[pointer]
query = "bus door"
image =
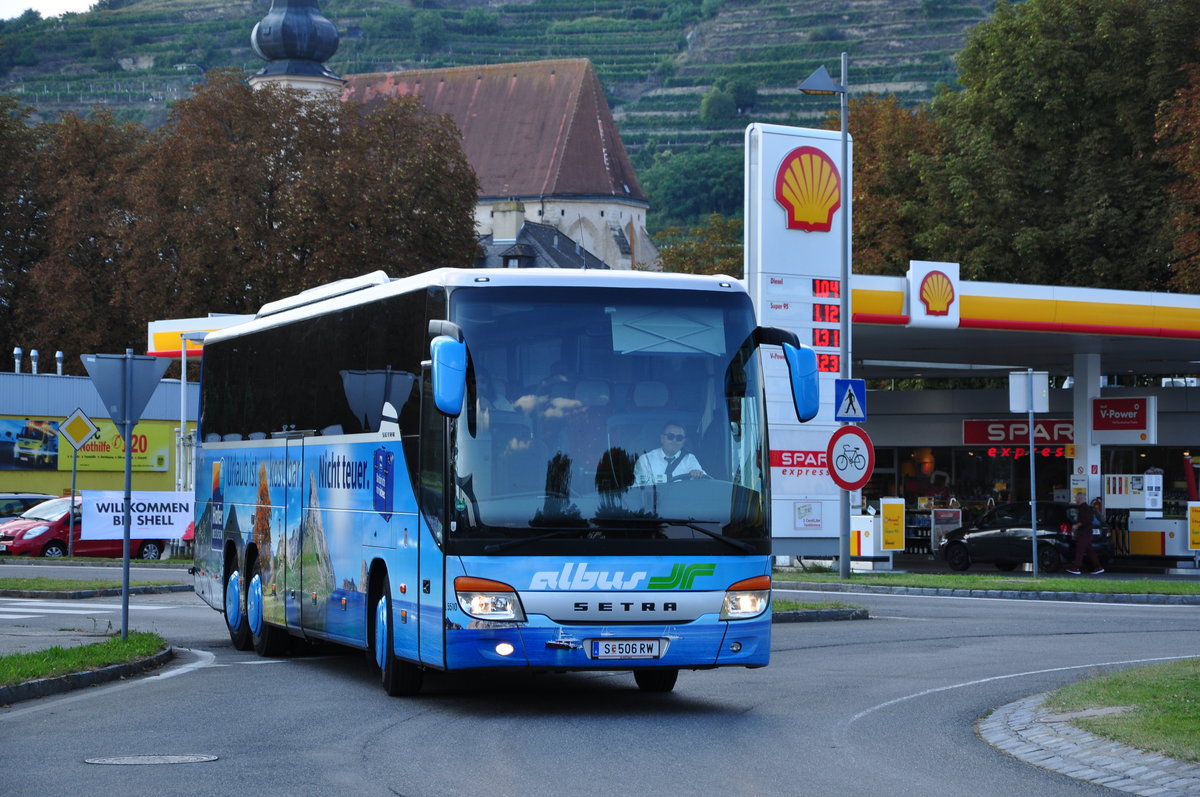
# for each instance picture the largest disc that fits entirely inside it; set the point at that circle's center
(291, 583)
(433, 500)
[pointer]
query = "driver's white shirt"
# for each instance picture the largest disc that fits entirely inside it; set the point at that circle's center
(651, 467)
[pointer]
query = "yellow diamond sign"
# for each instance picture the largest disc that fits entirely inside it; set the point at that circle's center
(78, 429)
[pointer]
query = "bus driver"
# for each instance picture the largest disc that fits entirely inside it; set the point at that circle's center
(670, 463)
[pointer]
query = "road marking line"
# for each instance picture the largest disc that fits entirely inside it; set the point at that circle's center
(30, 603)
(37, 610)
(935, 690)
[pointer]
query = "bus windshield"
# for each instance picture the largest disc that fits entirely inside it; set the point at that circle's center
(608, 420)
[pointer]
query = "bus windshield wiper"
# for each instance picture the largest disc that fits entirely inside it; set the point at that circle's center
(500, 546)
(694, 525)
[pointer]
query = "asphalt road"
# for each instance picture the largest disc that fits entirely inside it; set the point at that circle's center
(884, 706)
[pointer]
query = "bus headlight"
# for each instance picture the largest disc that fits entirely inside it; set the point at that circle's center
(485, 599)
(747, 598)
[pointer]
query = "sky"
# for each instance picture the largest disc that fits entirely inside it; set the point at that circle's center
(47, 8)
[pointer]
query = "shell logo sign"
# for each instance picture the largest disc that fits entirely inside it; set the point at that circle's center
(808, 186)
(933, 299)
(936, 293)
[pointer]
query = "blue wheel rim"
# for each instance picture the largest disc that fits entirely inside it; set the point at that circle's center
(254, 605)
(381, 632)
(233, 599)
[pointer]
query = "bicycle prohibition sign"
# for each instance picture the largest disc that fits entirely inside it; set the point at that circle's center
(851, 457)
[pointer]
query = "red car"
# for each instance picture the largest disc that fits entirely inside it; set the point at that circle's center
(43, 529)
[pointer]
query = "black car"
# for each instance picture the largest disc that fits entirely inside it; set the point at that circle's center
(1001, 537)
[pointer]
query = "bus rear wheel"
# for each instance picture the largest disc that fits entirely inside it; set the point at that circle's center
(400, 678)
(235, 613)
(268, 640)
(656, 680)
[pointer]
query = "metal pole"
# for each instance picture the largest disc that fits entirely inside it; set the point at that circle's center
(71, 533)
(181, 448)
(1032, 480)
(844, 326)
(127, 431)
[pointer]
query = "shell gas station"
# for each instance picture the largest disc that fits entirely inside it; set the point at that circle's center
(1127, 448)
(1114, 417)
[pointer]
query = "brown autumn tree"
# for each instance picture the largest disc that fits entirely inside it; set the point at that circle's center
(249, 195)
(890, 203)
(71, 299)
(714, 247)
(20, 221)
(1178, 132)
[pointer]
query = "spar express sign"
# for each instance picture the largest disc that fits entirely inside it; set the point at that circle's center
(152, 514)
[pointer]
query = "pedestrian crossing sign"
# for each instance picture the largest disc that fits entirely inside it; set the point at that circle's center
(850, 396)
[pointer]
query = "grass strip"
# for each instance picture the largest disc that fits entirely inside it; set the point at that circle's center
(71, 584)
(1165, 717)
(779, 605)
(18, 668)
(1141, 586)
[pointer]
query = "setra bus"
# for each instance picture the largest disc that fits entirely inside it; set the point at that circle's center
(442, 470)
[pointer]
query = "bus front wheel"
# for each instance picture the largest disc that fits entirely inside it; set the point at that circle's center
(400, 678)
(656, 680)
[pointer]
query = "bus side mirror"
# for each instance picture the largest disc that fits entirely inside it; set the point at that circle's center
(449, 373)
(802, 368)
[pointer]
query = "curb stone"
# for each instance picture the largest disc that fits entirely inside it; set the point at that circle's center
(1094, 597)
(819, 615)
(43, 687)
(106, 592)
(1029, 733)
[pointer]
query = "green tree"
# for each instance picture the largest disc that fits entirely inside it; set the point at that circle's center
(109, 42)
(714, 247)
(1048, 175)
(480, 22)
(717, 106)
(430, 30)
(685, 187)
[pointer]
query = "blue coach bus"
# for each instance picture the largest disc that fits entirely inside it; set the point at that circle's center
(443, 470)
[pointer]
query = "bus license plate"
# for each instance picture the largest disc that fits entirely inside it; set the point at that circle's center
(625, 648)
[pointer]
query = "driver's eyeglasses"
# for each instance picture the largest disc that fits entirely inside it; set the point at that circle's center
(671, 436)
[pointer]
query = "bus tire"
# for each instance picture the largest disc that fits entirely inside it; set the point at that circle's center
(658, 680)
(235, 611)
(268, 640)
(400, 678)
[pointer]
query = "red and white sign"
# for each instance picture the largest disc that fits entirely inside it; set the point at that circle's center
(1008, 432)
(1125, 420)
(799, 459)
(1119, 414)
(851, 457)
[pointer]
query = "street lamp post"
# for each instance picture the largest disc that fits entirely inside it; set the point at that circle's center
(819, 82)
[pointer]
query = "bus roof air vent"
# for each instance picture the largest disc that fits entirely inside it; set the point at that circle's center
(323, 292)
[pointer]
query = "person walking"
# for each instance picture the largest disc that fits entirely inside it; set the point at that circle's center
(1082, 528)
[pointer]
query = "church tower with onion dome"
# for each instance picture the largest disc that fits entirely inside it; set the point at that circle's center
(295, 40)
